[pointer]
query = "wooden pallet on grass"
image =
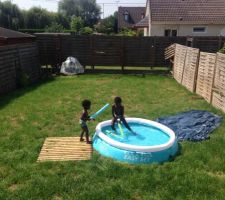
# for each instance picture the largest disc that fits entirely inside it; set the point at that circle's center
(64, 149)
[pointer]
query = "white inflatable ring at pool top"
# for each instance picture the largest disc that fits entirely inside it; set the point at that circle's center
(130, 147)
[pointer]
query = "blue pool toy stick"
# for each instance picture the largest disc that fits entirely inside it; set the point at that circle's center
(99, 111)
(121, 129)
(111, 133)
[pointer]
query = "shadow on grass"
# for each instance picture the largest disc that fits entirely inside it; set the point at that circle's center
(173, 158)
(13, 95)
(131, 72)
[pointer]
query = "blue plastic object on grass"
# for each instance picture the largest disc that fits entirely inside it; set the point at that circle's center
(100, 111)
(194, 125)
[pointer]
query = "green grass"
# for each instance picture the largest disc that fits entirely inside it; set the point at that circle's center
(53, 108)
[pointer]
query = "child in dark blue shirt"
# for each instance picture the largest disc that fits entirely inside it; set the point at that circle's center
(86, 104)
(118, 113)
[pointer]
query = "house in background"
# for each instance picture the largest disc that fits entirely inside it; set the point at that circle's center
(183, 18)
(129, 16)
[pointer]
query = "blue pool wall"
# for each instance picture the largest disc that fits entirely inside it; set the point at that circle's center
(134, 157)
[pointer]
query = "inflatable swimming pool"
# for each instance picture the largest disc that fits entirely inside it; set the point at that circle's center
(153, 142)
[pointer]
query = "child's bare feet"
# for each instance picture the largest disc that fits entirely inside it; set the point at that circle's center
(81, 139)
(134, 132)
(113, 128)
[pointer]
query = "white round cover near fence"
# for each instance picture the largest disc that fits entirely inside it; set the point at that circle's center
(71, 67)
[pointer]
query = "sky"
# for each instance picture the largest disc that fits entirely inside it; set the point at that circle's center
(52, 5)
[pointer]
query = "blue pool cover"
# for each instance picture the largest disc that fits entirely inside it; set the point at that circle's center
(194, 125)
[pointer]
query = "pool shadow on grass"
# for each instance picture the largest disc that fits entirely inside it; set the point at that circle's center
(9, 97)
(173, 158)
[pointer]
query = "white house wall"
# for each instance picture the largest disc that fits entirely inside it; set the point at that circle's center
(185, 30)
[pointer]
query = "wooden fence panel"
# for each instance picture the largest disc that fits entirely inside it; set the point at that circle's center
(106, 51)
(208, 44)
(206, 71)
(190, 69)
(179, 62)
(219, 82)
(8, 61)
(48, 49)
(81, 49)
(160, 43)
(170, 52)
(218, 99)
(15, 59)
(138, 51)
(29, 60)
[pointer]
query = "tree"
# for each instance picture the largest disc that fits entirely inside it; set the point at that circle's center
(91, 12)
(60, 19)
(86, 31)
(108, 25)
(38, 18)
(10, 16)
(54, 28)
(76, 24)
(88, 10)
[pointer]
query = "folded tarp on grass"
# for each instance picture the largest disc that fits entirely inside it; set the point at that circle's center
(194, 125)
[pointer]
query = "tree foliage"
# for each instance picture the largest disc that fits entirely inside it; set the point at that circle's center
(88, 10)
(76, 24)
(108, 25)
(38, 18)
(75, 14)
(60, 19)
(54, 28)
(35, 18)
(127, 32)
(222, 50)
(10, 16)
(86, 31)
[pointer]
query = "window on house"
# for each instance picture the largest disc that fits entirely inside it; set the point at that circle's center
(126, 16)
(174, 33)
(167, 32)
(199, 29)
(170, 33)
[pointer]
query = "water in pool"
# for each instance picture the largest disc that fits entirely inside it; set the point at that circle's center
(146, 135)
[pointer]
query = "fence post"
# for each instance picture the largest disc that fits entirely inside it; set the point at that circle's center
(45, 55)
(58, 53)
(155, 50)
(122, 50)
(92, 52)
(196, 71)
(219, 43)
(214, 76)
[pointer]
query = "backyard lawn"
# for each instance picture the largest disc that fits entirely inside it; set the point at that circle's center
(52, 108)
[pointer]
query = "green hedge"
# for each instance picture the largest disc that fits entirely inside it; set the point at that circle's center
(32, 31)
